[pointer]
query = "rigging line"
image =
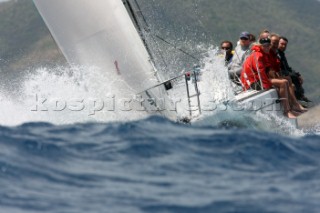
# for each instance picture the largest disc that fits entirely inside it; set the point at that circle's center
(175, 47)
(139, 9)
(159, 52)
(159, 37)
(137, 24)
(146, 32)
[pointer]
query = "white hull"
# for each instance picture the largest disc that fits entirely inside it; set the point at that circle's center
(264, 101)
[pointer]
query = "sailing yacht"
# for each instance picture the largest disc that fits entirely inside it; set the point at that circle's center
(107, 34)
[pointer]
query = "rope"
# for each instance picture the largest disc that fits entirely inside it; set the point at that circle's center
(162, 39)
(258, 72)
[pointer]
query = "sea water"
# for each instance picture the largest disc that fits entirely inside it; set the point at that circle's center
(155, 165)
(64, 149)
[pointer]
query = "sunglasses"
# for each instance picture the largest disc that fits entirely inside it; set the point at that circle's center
(246, 39)
(225, 48)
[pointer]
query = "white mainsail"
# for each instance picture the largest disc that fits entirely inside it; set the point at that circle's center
(101, 33)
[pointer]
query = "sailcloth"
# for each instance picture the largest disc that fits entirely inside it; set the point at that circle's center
(100, 33)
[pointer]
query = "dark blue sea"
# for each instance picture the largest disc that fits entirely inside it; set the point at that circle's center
(157, 166)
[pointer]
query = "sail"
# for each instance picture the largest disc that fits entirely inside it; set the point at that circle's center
(101, 33)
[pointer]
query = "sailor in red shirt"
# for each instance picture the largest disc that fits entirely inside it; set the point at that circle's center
(256, 67)
(259, 73)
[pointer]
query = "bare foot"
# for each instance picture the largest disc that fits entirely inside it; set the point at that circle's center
(290, 114)
(303, 109)
(299, 108)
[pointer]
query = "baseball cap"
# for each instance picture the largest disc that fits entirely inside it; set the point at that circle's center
(244, 35)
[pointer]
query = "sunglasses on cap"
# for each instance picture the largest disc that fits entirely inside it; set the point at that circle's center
(265, 41)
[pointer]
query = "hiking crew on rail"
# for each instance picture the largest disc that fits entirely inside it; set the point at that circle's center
(263, 65)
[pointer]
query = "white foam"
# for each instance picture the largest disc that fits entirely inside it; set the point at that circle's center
(214, 87)
(216, 92)
(84, 94)
(68, 95)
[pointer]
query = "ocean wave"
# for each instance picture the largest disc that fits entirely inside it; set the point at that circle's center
(155, 165)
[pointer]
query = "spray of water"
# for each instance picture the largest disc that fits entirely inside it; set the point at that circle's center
(67, 95)
(218, 107)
